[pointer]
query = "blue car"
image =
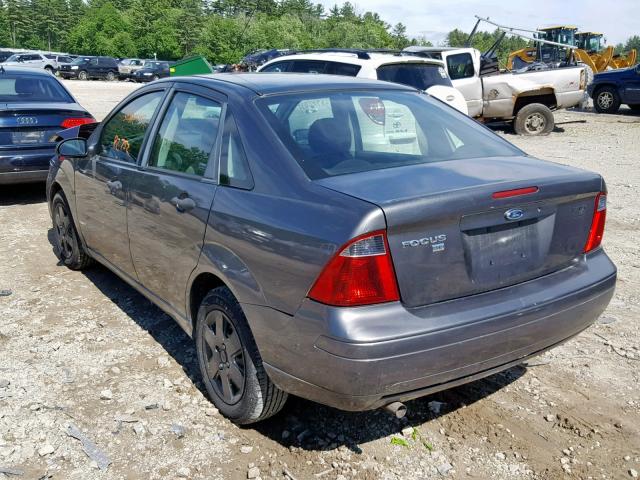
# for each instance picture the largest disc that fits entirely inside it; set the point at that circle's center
(34, 105)
(613, 88)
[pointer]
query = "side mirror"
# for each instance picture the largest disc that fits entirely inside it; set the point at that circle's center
(72, 148)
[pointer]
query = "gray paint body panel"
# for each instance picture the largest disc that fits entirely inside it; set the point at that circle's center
(269, 244)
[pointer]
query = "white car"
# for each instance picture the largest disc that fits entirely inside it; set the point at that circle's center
(424, 74)
(33, 60)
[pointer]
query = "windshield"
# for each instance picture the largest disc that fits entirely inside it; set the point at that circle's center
(32, 88)
(417, 75)
(80, 61)
(13, 58)
(336, 133)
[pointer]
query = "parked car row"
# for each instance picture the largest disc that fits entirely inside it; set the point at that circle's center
(89, 67)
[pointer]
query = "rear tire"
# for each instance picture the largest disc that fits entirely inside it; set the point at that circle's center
(230, 363)
(49, 69)
(111, 76)
(68, 247)
(606, 100)
(83, 75)
(534, 119)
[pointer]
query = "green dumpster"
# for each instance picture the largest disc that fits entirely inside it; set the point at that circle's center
(196, 65)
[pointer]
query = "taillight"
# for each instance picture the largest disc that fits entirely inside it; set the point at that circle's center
(374, 109)
(360, 274)
(597, 224)
(76, 121)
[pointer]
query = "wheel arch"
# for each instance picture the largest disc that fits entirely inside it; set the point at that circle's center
(545, 96)
(600, 86)
(220, 267)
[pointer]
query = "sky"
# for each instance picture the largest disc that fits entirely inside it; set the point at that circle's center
(432, 19)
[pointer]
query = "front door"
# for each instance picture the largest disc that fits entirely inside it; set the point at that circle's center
(172, 193)
(103, 179)
(632, 87)
(466, 79)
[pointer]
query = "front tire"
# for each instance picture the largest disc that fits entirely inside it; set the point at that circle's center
(68, 247)
(606, 100)
(83, 75)
(534, 119)
(49, 69)
(230, 363)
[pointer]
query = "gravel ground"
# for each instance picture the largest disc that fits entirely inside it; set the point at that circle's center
(84, 354)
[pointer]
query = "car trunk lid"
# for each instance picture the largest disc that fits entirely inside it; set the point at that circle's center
(449, 237)
(29, 125)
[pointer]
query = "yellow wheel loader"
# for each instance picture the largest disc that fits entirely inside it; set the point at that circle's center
(591, 50)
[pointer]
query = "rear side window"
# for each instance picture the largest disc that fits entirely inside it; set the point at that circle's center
(234, 167)
(308, 66)
(123, 134)
(460, 66)
(416, 75)
(337, 68)
(27, 88)
(187, 135)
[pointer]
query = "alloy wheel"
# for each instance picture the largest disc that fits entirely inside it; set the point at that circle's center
(64, 232)
(225, 364)
(605, 100)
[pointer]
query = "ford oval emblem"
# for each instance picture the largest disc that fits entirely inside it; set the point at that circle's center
(514, 214)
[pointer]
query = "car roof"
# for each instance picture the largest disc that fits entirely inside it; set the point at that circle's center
(23, 69)
(375, 58)
(273, 83)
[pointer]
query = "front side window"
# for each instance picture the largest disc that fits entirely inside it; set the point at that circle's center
(278, 67)
(347, 132)
(187, 135)
(416, 75)
(460, 66)
(123, 134)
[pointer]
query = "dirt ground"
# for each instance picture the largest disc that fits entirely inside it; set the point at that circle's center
(85, 351)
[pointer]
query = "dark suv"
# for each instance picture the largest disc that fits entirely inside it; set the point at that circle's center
(351, 241)
(84, 68)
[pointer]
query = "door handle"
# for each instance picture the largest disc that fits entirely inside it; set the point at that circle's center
(183, 204)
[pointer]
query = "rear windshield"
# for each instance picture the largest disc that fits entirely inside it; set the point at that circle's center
(336, 133)
(417, 75)
(31, 88)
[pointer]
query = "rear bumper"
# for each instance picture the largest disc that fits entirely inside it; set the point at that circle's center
(363, 358)
(25, 166)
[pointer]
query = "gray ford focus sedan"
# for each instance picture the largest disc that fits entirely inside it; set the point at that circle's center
(354, 242)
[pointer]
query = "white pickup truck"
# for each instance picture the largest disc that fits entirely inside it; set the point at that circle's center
(525, 98)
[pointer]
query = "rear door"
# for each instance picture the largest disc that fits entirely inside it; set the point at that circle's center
(103, 179)
(464, 77)
(172, 193)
